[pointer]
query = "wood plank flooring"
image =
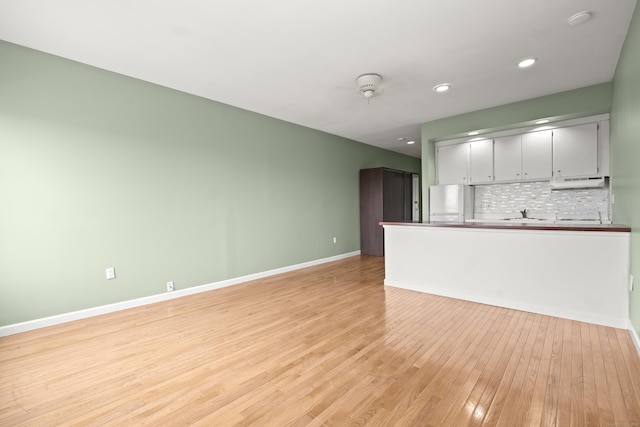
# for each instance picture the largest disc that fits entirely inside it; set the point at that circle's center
(324, 346)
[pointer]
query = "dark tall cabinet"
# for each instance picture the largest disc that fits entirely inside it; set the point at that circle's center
(385, 195)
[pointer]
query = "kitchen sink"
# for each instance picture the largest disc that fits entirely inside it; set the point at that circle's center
(513, 221)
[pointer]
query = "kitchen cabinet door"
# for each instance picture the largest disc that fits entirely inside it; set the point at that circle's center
(575, 151)
(507, 158)
(537, 155)
(481, 161)
(452, 163)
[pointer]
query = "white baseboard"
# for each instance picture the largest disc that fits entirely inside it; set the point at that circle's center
(634, 336)
(621, 323)
(110, 308)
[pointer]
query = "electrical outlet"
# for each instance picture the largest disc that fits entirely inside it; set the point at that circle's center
(110, 273)
(170, 286)
(335, 240)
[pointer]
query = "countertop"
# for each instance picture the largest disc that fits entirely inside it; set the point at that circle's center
(514, 225)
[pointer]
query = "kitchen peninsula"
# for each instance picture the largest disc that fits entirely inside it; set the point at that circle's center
(575, 272)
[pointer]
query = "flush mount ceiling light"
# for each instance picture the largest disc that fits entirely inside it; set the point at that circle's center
(368, 85)
(442, 87)
(401, 139)
(528, 62)
(580, 18)
(411, 142)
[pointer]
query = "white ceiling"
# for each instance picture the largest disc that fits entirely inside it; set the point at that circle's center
(297, 60)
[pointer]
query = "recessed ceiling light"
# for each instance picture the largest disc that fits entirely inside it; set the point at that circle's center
(580, 18)
(443, 87)
(526, 62)
(474, 132)
(542, 121)
(411, 142)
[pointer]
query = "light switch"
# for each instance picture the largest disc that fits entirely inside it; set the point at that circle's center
(110, 273)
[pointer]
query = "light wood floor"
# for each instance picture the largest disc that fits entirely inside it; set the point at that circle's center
(325, 346)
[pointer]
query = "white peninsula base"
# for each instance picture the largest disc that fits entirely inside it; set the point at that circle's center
(578, 275)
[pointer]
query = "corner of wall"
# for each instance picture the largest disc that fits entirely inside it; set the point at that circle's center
(634, 337)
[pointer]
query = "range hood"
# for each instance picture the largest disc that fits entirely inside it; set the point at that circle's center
(567, 183)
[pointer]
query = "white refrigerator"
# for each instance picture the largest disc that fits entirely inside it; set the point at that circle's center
(450, 203)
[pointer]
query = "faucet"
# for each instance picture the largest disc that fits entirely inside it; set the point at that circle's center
(524, 213)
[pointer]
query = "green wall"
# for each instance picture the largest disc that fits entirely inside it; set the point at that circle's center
(625, 150)
(100, 170)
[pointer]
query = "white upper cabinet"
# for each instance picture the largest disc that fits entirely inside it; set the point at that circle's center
(481, 161)
(575, 151)
(536, 155)
(451, 163)
(507, 158)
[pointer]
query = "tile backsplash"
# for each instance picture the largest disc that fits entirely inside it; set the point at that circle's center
(538, 197)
